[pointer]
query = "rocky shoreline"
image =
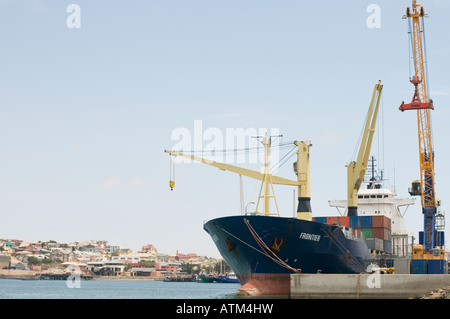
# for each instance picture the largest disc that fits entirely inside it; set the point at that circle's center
(443, 293)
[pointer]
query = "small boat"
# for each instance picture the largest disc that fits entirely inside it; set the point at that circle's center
(179, 279)
(206, 279)
(230, 278)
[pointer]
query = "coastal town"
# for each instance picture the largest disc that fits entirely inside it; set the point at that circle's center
(97, 259)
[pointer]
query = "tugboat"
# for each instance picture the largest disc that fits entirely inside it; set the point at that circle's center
(229, 279)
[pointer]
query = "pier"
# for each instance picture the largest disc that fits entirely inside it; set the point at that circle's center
(365, 286)
(63, 276)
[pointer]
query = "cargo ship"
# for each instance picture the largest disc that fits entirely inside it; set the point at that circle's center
(264, 249)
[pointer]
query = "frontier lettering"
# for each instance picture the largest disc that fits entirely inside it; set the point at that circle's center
(308, 236)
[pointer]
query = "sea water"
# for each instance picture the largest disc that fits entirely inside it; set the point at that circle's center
(114, 289)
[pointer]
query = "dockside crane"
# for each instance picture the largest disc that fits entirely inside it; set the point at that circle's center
(422, 104)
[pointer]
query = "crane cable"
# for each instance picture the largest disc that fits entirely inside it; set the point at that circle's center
(278, 165)
(235, 150)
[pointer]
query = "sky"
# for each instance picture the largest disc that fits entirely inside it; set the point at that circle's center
(87, 112)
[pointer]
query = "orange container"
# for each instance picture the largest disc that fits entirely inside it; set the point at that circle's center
(344, 221)
(356, 232)
(331, 220)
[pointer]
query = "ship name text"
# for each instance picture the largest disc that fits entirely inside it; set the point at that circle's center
(309, 236)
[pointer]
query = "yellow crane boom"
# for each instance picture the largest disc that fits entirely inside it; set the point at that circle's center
(238, 170)
(301, 168)
(357, 169)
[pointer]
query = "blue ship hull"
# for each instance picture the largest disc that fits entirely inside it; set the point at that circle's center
(263, 251)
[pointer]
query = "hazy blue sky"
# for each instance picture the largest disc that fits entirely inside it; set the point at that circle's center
(85, 114)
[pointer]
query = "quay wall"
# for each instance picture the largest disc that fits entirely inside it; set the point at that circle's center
(364, 286)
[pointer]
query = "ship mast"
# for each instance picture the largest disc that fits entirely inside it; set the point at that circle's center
(267, 182)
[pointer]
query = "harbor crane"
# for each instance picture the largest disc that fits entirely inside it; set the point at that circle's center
(422, 104)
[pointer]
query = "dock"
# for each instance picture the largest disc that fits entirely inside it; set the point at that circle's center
(63, 276)
(20, 276)
(365, 286)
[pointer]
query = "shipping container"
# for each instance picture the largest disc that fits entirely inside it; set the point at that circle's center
(381, 221)
(437, 266)
(440, 239)
(366, 221)
(356, 232)
(419, 266)
(355, 222)
(379, 243)
(331, 220)
(387, 244)
(382, 233)
(367, 232)
(344, 221)
(374, 244)
(320, 219)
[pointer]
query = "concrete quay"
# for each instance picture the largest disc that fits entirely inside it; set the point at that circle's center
(364, 286)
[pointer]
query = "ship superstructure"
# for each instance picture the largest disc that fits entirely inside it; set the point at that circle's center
(377, 200)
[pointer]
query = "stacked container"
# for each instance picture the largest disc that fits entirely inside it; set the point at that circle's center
(375, 230)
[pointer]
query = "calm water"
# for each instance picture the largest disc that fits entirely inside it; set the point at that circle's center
(114, 289)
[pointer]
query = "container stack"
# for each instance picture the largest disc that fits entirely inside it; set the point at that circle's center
(375, 230)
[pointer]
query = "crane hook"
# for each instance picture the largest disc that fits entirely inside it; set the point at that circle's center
(172, 174)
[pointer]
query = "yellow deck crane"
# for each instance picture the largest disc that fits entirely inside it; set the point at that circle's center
(422, 104)
(357, 169)
(301, 167)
